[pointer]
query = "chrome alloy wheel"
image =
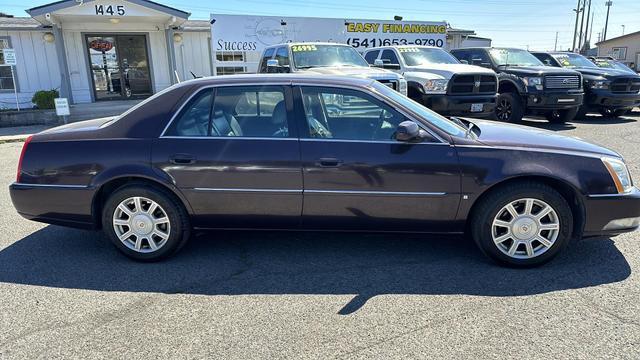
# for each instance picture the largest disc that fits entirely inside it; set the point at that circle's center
(141, 224)
(525, 228)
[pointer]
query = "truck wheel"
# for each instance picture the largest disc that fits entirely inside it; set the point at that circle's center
(606, 112)
(619, 113)
(522, 225)
(561, 116)
(509, 108)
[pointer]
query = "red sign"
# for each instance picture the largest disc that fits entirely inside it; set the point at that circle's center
(101, 45)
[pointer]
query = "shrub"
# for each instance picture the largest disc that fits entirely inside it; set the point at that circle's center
(44, 98)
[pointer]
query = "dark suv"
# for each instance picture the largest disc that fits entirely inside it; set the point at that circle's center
(526, 85)
(611, 92)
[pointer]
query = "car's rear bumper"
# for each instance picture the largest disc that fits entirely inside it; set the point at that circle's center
(612, 214)
(68, 205)
(460, 105)
(607, 99)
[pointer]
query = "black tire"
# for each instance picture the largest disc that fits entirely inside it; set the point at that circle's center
(621, 112)
(582, 113)
(561, 116)
(509, 108)
(606, 112)
(481, 225)
(180, 228)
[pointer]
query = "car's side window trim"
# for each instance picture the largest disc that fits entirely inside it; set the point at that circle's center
(288, 98)
(303, 127)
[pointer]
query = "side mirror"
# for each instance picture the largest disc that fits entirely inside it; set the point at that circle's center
(408, 131)
(378, 63)
(464, 62)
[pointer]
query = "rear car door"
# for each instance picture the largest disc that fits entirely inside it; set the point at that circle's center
(357, 177)
(234, 154)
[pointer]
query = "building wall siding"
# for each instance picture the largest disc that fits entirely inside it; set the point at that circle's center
(632, 43)
(192, 54)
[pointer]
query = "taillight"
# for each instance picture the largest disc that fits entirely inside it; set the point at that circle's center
(24, 150)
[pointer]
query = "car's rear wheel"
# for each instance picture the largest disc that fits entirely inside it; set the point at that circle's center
(522, 225)
(145, 223)
(561, 116)
(509, 108)
(608, 112)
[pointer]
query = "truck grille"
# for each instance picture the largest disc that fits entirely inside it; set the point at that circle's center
(473, 84)
(390, 83)
(562, 82)
(626, 85)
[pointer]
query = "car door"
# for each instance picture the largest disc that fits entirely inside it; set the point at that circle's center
(357, 177)
(235, 156)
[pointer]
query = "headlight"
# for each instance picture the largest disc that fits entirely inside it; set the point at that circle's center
(533, 82)
(619, 173)
(403, 86)
(598, 84)
(436, 86)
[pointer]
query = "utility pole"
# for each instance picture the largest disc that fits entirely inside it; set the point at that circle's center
(575, 29)
(599, 36)
(586, 31)
(606, 23)
(584, 3)
(593, 14)
(622, 29)
(555, 45)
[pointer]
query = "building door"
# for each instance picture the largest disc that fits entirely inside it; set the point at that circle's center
(119, 66)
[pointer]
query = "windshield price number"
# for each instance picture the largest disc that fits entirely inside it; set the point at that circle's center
(110, 10)
(373, 42)
(298, 48)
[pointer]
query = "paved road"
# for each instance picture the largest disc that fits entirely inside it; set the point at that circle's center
(68, 294)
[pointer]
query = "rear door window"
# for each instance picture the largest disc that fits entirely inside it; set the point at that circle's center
(390, 57)
(371, 56)
(268, 54)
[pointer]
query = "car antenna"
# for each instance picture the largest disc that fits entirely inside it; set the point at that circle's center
(194, 75)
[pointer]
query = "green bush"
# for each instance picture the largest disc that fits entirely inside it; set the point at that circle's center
(44, 99)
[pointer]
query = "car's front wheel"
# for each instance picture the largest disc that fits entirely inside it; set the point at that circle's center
(145, 223)
(509, 108)
(523, 224)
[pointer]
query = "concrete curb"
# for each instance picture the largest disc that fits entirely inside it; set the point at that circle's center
(11, 139)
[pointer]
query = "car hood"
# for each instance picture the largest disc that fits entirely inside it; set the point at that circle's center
(536, 70)
(448, 70)
(605, 73)
(357, 71)
(508, 135)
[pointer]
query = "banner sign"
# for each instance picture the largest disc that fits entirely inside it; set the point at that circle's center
(254, 33)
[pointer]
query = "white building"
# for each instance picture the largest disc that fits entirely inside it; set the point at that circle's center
(93, 50)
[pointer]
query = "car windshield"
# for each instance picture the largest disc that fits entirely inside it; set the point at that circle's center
(514, 57)
(610, 64)
(414, 56)
(573, 61)
(430, 116)
(312, 55)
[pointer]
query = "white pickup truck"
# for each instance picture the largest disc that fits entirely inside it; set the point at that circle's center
(438, 80)
(327, 59)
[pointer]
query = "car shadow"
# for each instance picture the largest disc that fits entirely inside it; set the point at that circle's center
(251, 262)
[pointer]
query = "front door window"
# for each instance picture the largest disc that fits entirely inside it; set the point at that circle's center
(119, 66)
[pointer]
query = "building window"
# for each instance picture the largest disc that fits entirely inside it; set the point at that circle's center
(6, 80)
(619, 53)
(230, 70)
(230, 56)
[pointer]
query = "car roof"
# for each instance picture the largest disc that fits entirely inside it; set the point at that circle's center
(487, 48)
(401, 47)
(279, 79)
(306, 43)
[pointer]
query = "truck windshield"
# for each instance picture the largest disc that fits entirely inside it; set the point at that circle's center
(573, 61)
(514, 57)
(415, 56)
(312, 55)
(430, 116)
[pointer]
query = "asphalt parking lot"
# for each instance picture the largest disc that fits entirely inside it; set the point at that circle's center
(68, 293)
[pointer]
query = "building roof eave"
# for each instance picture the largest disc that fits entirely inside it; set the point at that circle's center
(63, 4)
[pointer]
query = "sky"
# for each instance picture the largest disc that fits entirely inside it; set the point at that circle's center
(519, 23)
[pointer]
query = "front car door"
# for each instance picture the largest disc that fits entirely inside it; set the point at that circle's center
(234, 154)
(357, 177)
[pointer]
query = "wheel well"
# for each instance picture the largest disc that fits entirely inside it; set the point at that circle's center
(568, 192)
(110, 187)
(507, 87)
(413, 90)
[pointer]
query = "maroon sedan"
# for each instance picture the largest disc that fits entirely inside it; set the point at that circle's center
(320, 153)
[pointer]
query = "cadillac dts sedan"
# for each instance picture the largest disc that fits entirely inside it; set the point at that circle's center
(315, 152)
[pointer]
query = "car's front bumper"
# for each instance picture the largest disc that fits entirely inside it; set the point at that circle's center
(548, 100)
(612, 214)
(67, 205)
(600, 98)
(460, 105)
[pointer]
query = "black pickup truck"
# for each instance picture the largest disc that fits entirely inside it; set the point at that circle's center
(526, 85)
(610, 92)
